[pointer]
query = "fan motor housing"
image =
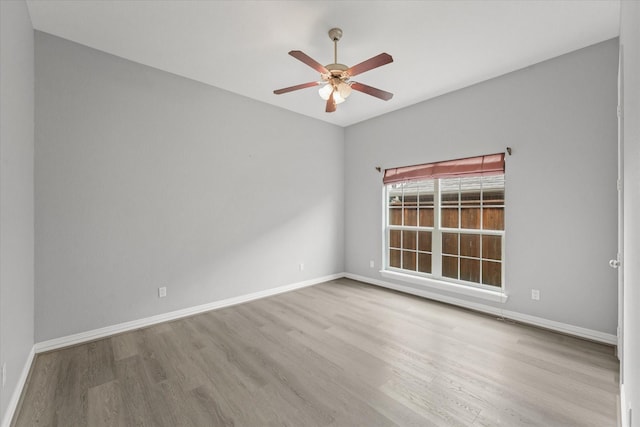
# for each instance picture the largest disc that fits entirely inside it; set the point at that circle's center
(337, 70)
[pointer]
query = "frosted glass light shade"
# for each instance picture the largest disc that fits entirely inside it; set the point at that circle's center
(325, 91)
(344, 89)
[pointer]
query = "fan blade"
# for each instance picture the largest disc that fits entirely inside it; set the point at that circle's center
(331, 104)
(296, 87)
(370, 64)
(301, 56)
(370, 90)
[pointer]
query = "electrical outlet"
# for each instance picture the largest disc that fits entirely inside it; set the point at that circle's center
(372, 264)
(535, 294)
(4, 374)
(301, 267)
(162, 292)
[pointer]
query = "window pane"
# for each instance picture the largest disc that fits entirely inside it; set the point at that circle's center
(410, 216)
(426, 217)
(493, 182)
(450, 243)
(450, 267)
(410, 199)
(395, 198)
(426, 199)
(470, 218)
(408, 239)
(449, 218)
(492, 247)
(468, 184)
(493, 197)
(424, 241)
(394, 238)
(493, 218)
(470, 198)
(394, 258)
(492, 273)
(395, 216)
(449, 185)
(408, 260)
(410, 188)
(470, 270)
(450, 199)
(426, 189)
(424, 263)
(470, 246)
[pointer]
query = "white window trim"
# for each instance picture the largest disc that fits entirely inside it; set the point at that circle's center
(497, 295)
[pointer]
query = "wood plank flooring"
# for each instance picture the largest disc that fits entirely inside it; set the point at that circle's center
(341, 353)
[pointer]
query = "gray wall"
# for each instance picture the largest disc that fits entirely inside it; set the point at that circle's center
(630, 42)
(16, 193)
(146, 179)
(559, 117)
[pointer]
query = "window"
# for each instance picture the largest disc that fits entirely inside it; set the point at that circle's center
(447, 228)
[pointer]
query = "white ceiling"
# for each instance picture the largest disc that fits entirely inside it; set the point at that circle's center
(241, 46)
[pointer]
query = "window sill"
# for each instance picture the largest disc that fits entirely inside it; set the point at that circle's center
(497, 296)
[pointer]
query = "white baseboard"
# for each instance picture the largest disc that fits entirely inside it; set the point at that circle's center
(148, 321)
(524, 318)
(140, 323)
(17, 392)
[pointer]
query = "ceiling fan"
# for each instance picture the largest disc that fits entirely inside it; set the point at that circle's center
(336, 77)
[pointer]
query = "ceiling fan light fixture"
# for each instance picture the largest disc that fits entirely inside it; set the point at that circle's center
(341, 91)
(325, 91)
(344, 89)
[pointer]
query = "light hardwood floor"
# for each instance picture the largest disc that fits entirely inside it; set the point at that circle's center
(341, 353)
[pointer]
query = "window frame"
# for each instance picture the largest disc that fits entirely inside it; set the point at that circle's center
(435, 279)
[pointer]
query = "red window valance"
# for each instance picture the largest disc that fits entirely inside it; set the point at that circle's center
(492, 164)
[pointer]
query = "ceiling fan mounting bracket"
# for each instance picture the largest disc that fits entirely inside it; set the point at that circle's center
(335, 34)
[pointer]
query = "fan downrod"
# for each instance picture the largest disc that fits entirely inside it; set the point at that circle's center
(336, 69)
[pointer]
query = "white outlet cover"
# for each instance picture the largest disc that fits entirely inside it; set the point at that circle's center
(372, 264)
(162, 292)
